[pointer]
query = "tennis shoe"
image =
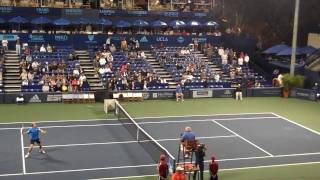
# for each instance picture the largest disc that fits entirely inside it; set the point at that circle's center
(27, 155)
(42, 151)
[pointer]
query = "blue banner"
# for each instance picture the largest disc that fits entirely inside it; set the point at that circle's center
(90, 40)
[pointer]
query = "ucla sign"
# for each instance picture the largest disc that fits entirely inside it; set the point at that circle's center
(162, 39)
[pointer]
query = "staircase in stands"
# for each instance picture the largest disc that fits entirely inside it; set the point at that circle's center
(12, 81)
(211, 65)
(89, 71)
(160, 70)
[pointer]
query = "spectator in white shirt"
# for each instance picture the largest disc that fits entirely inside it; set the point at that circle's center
(76, 72)
(240, 61)
(246, 59)
(43, 48)
(102, 61)
(221, 51)
(224, 58)
(5, 44)
(217, 77)
(102, 71)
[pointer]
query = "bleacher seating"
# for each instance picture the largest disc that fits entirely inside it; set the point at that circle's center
(176, 63)
(138, 66)
(46, 59)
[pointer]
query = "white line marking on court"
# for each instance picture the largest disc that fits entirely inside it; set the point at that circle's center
(201, 115)
(6, 175)
(128, 142)
(243, 138)
(300, 125)
(22, 152)
(231, 169)
(91, 169)
(84, 120)
(142, 123)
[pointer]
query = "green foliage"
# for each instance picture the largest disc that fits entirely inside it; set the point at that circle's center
(290, 82)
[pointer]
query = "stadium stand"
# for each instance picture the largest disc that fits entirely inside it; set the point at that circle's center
(51, 69)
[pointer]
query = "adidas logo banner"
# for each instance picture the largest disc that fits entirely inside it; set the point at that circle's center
(35, 99)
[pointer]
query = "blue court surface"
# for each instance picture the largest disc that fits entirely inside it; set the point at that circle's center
(100, 149)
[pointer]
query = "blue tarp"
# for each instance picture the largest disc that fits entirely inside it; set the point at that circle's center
(308, 50)
(61, 22)
(140, 23)
(288, 51)
(105, 22)
(123, 24)
(211, 23)
(41, 20)
(177, 24)
(159, 24)
(194, 23)
(18, 20)
(81, 21)
(275, 49)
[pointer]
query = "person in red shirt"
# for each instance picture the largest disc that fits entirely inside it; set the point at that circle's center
(163, 168)
(213, 169)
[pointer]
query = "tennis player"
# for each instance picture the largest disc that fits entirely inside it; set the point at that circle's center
(34, 134)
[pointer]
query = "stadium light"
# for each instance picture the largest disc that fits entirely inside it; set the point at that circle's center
(294, 37)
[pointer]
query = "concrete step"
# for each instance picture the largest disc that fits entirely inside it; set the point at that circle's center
(11, 67)
(12, 70)
(7, 74)
(96, 85)
(12, 86)
(12, 90)
(12, 82)
(88, 70)
(11, 77)
(97, 88)
(11, 63)
(94, 81)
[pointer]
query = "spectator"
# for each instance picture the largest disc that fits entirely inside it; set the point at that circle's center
(18, 46)
(179, 174)
(179, 93)
(163, 168)
(82, 79)
(49, 48)
(74, 84)
(200, 153)
(5, 44)
(213, 169)
(239, 92)
(246, 59)
(43, 48)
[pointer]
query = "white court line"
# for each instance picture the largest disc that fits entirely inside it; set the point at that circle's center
(221, 170)
(14, 174)
(159, 122)
(200, 115)
(300, 125)
(92, 169)
(84, 120)
(22, 152)
(243, 138)
(128, 142)
(154, 165)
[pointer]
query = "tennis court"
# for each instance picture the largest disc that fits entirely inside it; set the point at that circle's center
(106, 149)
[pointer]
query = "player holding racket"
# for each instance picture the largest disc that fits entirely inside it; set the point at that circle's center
(34, 134)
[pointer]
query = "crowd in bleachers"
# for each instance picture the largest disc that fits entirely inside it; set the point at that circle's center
(236, 66)
(126, 68)
(51, 69)
(188, 68)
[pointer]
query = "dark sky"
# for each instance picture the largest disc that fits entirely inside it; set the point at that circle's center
(271, 19)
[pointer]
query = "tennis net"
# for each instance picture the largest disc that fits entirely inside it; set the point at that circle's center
(149, 144)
